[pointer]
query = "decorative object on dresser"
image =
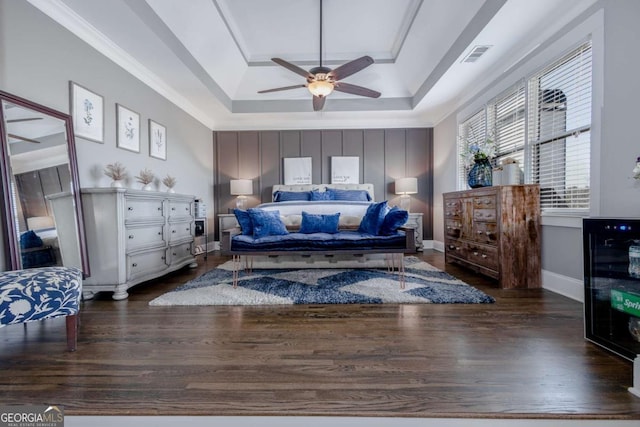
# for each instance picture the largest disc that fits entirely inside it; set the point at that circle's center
(169, 182)
(134, 236)
(496, 232)
(241, 188)
(116, 172)
(405, 187)
(145, 178)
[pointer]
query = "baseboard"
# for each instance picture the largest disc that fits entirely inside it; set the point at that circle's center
(563, 285)
(437, 245)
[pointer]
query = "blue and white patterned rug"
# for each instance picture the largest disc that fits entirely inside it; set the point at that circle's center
(424, 284)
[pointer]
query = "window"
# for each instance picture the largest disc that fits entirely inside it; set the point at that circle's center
(544, 123)
(559, 132)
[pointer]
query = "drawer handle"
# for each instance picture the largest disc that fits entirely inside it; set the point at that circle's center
(159, 233)
(484, 255)
(173, 209)
(187, 229)
(163, 257)
(174, 254)
(130, 208)
(159, 209)
(130, 236)
(134, 265)
(479, 231)
(475, 253)
(173, 231)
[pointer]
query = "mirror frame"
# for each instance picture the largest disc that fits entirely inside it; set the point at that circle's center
(11, 241)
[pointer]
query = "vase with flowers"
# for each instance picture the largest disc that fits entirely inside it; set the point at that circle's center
(478, 156)
(116, 172)
(145, 178)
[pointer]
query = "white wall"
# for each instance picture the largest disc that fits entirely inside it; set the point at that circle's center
(37, 60)
(613, 26)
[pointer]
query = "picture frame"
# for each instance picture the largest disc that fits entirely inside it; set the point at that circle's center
(87, 113)
(345, 170)
(297, 170)
(128, 129)
(157, 140)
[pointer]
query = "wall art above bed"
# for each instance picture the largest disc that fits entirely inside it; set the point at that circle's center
(345, 170)
(297, 170)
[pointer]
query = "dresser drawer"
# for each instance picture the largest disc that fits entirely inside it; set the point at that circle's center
(452, 208)
(146, 263)
(137, 209)
(456, 248)
(180, 253)
(485, 256)
(179, 231)
(453, 228)
(179, 209)
(144, 236)
(484, 215)
(484, 202)
(485, 232)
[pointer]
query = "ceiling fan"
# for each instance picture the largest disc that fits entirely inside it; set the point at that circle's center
(321, 81)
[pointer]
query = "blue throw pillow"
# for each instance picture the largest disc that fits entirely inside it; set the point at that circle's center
(289, 196)
(30, 240)
(244, 220)
(394, 219)
(320, 195)
(318, 223)
(350, 195)
(266, 223)
(372, 220)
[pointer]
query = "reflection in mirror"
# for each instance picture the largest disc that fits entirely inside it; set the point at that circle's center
(42, 205)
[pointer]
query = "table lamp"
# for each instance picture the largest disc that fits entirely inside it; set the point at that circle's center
(404, 187)
(241, 188)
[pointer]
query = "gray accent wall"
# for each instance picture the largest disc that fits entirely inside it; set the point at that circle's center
(38, 57)
(385, 155)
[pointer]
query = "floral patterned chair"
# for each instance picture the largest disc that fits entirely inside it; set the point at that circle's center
(42, 293)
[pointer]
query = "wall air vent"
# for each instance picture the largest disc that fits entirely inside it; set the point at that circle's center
(476, 53)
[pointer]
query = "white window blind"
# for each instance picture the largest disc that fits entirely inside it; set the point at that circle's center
(471, 131)
(559, 131)
(506, 124)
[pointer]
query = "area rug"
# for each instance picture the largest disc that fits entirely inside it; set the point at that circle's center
(424, 284)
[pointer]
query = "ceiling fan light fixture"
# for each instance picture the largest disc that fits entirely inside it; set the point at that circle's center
(320, 88)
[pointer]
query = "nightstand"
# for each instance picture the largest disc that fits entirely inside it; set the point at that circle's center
(415, 222)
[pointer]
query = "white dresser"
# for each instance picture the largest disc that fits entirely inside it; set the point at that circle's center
(134, 236)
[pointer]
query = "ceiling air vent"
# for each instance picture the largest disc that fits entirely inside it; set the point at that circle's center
(476, 53)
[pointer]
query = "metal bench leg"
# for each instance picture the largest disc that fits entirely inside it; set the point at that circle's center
(236, 262)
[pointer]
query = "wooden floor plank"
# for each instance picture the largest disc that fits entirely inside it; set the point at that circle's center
(522, 357)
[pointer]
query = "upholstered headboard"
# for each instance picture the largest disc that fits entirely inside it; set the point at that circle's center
(322, 187)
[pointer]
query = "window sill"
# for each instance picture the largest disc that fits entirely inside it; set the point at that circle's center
(567, 220)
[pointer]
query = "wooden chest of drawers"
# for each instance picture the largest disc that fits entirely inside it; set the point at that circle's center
(496, 231)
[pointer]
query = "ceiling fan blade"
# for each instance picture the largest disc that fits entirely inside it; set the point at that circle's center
(24, 120)
(23, 138)
(281, 88)
(289, 66)
(318, 102)
(356, 90)
(352, 67)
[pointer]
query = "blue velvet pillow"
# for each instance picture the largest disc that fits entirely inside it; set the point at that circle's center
(30, 240)
(350, 195)
(394, 219)
(289, 196)
(320, 195)
(266, 223)
(318, 223)
(244, 220)
(372, 220)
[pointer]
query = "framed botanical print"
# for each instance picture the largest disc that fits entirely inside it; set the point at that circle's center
(128, 129)
(157, 140)
(87, 112)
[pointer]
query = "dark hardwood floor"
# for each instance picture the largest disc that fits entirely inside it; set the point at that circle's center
(522, 357)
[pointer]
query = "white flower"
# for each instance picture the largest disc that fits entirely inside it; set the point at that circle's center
(20, 307)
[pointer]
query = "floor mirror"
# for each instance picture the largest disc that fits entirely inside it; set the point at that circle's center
(42, 206)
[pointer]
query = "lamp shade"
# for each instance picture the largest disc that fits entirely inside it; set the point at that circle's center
(407, 186)
(241, 187)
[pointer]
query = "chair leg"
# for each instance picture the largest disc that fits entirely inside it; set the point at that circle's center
(72, 332)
